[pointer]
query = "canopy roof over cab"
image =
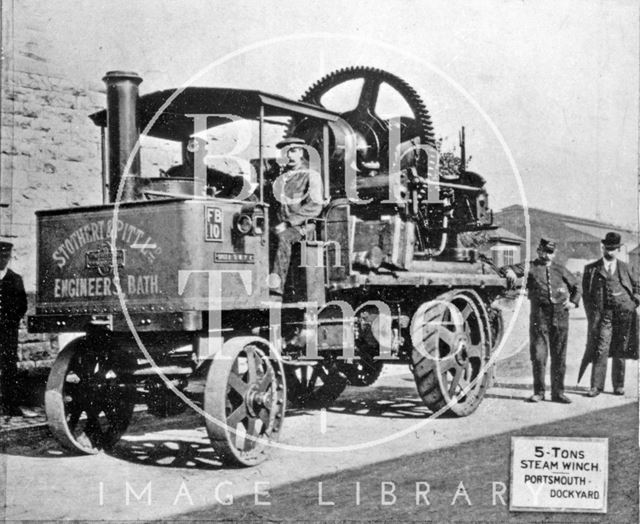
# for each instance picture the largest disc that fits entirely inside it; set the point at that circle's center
(172, 122)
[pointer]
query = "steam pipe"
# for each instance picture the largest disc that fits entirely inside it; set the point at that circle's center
(122, 131)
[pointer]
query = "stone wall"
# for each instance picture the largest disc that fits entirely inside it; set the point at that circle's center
(50, 150)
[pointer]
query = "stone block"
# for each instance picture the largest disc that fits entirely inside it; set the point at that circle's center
(30, 63)
(26, 365)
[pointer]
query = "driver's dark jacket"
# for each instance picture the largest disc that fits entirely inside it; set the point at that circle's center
(552, 284)
(299, 195)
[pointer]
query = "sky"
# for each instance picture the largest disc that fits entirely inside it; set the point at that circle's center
(553, 85)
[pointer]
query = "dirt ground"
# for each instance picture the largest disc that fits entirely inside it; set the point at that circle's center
(477, 464)
(166, 469)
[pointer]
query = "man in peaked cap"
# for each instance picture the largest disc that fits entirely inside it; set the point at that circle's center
(611, 295)
(552, 291)
(291, 142)
(13, 306)
(297, 192)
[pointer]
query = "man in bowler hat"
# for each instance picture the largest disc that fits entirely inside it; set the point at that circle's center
(552, 291)
(13, 306)
(297, 192)
(611, 294)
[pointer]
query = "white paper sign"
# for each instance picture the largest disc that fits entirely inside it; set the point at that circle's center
(559, 474)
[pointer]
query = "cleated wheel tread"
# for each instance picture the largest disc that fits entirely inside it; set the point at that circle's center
(452, 340)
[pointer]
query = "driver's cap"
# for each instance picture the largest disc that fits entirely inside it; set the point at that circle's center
(291, 141)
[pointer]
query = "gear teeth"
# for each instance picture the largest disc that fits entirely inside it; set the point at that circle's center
(422, 116)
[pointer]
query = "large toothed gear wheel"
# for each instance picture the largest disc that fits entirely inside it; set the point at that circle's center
(372, 130)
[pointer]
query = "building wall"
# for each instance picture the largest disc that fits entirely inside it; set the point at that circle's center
(571, 243)
(505, 254)
(50, 151)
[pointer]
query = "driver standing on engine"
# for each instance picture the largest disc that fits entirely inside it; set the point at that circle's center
(297, 193)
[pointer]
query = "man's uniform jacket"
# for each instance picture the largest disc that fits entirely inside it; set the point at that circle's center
(594, 297)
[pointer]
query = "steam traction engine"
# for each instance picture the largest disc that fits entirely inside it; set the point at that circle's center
(168, 278)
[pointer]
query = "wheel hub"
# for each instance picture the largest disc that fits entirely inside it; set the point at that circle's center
(461, 347)
(256, 400)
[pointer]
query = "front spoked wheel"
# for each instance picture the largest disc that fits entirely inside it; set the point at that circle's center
(245, 399)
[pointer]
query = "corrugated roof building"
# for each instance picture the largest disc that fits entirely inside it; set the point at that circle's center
(578, 238)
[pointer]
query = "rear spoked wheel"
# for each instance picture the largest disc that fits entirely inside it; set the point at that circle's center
(364, 371)
(88, 401)
(452, 342)
(316, 385)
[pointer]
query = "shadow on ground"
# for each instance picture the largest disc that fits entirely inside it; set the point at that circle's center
(375, 401)
(175, 447)
(477, 464)
(169, 452)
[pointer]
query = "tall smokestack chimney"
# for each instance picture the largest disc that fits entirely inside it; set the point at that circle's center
(123, 131)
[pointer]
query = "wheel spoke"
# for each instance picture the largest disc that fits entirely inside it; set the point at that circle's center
(251, 435)
(237, 416)
(265, 380)
(237, 383)
(252, 356)
(115, 406)
(251, 427)
(446, 336)
(466, 376)
(457, 375)
(315, 374)
(263, 415)
(369, 95)
(93, 429)
(318, 384)
(468, 309)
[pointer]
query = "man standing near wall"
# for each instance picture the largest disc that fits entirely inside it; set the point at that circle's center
(553, 290)
(13, 306)
(611, 294)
